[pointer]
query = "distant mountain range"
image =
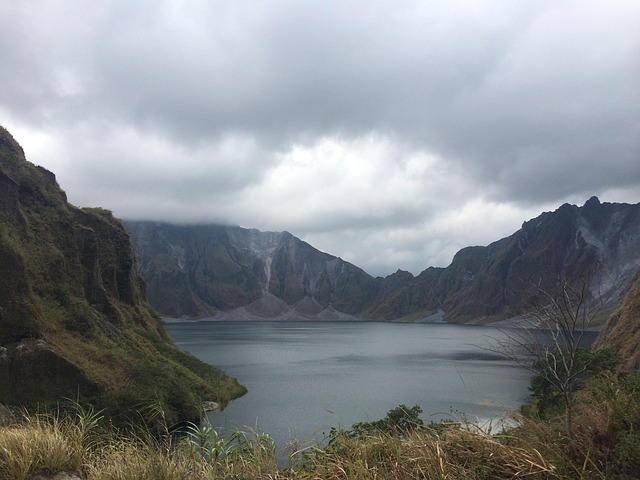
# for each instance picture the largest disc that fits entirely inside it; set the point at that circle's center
(237, 273)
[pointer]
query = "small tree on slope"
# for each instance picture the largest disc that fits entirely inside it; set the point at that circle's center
(551, 342)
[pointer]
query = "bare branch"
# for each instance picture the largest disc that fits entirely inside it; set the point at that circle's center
(549, 344)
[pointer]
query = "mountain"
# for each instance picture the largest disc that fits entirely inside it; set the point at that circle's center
(600, 241)
(622, 330)
(74, 319)
(206, 270)
(201, 270)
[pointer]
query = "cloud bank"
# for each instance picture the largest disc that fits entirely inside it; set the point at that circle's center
(390, 134)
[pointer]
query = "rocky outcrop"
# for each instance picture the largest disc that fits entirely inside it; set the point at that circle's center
(58, 476)
(74, 320)
(57, 377)
(205, 270)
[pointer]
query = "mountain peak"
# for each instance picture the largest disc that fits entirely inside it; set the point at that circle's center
(593, 201)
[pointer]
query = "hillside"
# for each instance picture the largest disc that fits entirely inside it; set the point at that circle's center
(622, 330)
(204, 270)
(74, 320)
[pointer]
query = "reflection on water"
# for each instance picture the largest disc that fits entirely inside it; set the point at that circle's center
(304, 377)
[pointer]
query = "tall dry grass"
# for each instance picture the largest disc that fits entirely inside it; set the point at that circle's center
(606, 444)
(41, 443)
(459, 451)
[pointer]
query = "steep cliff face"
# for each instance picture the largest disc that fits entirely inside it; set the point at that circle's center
(74, 320)
(200, 270)
(622, 330)
(491, 283)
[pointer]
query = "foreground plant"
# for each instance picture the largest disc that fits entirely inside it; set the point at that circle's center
(605, 444)
(401, 446)
(551, 344)
(48, 443)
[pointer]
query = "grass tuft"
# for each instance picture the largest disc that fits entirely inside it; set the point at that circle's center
(40, 444)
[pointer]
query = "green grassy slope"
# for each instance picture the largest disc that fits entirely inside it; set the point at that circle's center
(74, 320)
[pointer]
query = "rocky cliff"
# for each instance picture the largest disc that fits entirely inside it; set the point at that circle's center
(74, 320)
(205, 270)
(201, 270)
(600, 241)
(622, 330)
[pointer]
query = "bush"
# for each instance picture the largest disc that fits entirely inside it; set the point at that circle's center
(399, 421)
(551, 377)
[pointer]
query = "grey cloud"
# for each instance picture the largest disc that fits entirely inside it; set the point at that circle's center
(187, 110)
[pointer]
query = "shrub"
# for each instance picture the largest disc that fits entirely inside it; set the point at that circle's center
(400, 420)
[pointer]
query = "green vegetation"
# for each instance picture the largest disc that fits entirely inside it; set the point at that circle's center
(74, 320)
(550, 380)
(88, 331)
(399, 421)
(605, 445)
(557, 321)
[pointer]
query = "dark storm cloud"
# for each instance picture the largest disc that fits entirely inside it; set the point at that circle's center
(392, 126)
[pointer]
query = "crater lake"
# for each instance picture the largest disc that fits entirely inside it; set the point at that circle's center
(305, 377)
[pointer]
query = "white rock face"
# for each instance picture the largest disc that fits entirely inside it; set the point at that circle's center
(618, 244)
(262, 245)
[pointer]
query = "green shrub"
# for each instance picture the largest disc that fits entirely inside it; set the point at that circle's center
(400, 420)
(546, 393)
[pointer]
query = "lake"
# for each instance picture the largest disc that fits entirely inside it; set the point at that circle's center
(304, 377)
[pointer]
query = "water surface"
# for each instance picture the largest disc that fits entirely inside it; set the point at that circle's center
(303, 377)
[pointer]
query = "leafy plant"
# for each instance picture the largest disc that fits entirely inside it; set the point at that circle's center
(551, 377)
(399, 421)
(204, 442)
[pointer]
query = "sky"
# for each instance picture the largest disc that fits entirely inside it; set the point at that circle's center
(391, 134)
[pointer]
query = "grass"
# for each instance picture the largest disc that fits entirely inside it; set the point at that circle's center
(49, 445)
(606, 445)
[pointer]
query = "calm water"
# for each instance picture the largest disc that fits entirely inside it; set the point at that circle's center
(304, 377)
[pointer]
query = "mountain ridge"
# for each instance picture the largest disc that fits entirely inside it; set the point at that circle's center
(228, 271)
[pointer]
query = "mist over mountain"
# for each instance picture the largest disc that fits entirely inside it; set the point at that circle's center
(203, 270)
(237, 273)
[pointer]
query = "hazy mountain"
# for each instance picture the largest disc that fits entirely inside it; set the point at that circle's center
(489, 283)
(74, 320)
(208, 269)
(201, 270)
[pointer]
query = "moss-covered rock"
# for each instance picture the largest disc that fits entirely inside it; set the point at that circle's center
(74, 320)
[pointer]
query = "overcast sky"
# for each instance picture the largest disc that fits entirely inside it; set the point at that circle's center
(389, 133)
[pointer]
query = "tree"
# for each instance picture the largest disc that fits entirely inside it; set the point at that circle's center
(544, 381)
(551, 342)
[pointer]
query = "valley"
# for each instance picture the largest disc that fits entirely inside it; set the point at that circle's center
(81, 293)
